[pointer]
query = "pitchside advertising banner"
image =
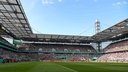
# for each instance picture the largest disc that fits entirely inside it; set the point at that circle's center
(1, 60)
(61, 57)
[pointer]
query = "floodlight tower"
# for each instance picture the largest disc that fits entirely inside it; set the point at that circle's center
(97, 26)
(97, 30)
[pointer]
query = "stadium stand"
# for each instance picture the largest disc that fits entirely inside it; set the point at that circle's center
(13, 22)
(59, 52)
(117, 46)
(57, 48)
(117, 52)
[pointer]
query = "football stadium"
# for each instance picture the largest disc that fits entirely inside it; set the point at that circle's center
(22, 50)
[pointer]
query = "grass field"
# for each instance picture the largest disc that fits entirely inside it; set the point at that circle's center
(63, 67)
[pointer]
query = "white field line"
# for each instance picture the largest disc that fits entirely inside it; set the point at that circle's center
(67, 68)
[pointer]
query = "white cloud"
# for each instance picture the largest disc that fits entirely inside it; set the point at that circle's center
(120, 3)
(59, 0)
(47, 2)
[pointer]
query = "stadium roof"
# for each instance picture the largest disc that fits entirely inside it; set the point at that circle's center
(119, 30)
(58, 38)
(13, 19)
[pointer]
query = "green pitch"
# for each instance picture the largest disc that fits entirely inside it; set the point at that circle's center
(63, 67)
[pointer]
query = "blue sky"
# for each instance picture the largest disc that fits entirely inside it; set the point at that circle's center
(73, 17)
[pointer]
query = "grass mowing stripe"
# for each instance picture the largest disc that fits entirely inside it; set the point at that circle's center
(96, 67)
(67, 68)
(17, 67)
(49, 67)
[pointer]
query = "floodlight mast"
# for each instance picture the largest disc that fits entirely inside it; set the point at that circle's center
(97, 26)
(97, 30)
